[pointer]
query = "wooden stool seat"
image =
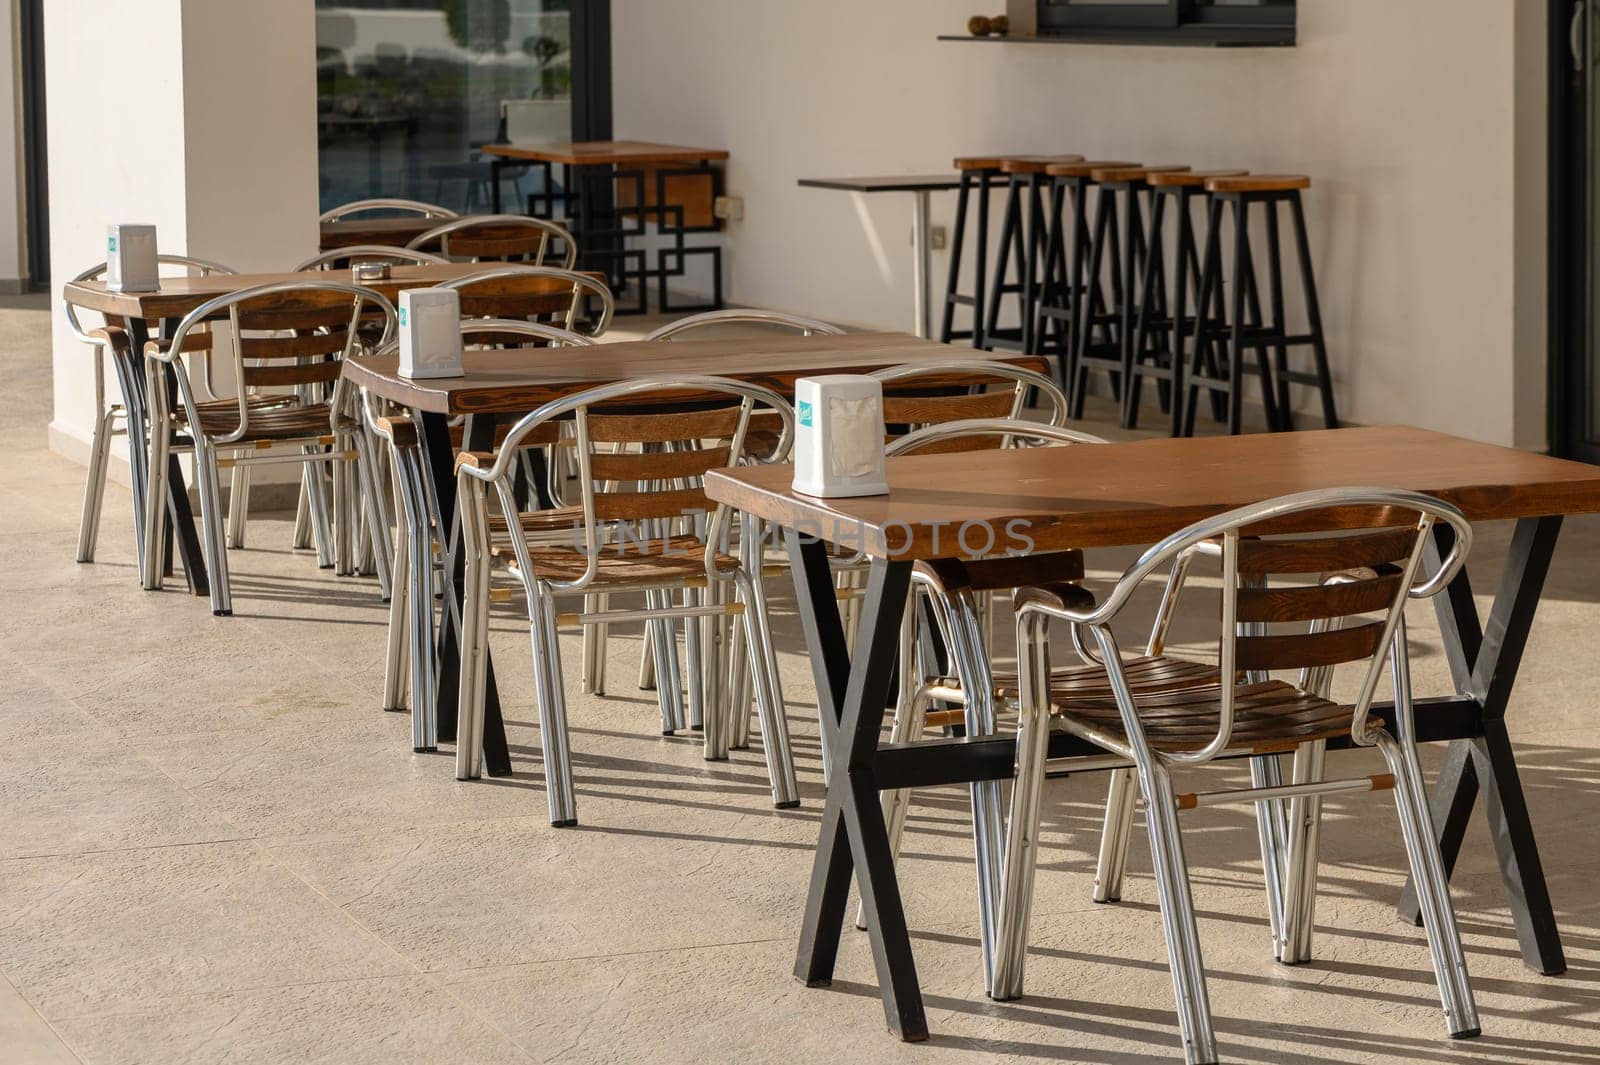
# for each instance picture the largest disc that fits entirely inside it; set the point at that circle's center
(1124, 174)
(1083, 168)
(978, 162)
(1189, 179)
(1035, 164)
(1259, 183)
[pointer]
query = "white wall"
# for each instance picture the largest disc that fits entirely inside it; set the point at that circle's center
(1406, 118)
(207, 130)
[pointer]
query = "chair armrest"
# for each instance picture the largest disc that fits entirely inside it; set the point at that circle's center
(400, 430)
(1005, 572)
(1057, 596)
(475, 460)
(113, 337)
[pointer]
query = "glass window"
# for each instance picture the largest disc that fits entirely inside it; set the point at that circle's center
(409, 90)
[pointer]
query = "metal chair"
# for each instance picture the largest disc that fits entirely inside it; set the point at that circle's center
(1244, 712)
(501, 238)
(411, 620)
(520, 291)
(635, 536)
(393, 206)
(112, 340)
(322, 320)
(764, 428)
(336, 258)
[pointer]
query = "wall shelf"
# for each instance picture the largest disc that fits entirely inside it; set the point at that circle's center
(1189, 36)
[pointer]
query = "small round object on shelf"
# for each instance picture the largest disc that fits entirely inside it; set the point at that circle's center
(1001, 25)
(980, 25)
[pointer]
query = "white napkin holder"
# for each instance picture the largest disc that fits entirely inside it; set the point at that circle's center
(131, 258)
(838, 442)
(430, 333)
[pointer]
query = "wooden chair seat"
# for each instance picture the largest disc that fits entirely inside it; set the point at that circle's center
(1188, 179)
(1035, 164)
(632, 563)
(269, 422)
(1259, 183)
(1149, 675)
(1270, 717)
(1083, 168)
(537, 523)
(1122, 174)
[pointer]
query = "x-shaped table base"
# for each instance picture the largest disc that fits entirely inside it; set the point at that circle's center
(853, 686)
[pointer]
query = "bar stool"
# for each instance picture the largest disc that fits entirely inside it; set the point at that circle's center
(977, 175)
(1022, 238)
(1241, 331)
(1119, 235)
(1158, 340)
(1063, 282)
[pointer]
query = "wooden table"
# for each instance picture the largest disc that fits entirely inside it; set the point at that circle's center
(921, 187)
(508, 383)
(606, 183)
(176, 297)
(1136, 493)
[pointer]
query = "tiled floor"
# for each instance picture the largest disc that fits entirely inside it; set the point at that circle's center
(215, 848)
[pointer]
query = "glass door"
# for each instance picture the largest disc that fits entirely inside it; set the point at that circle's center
(408, 91)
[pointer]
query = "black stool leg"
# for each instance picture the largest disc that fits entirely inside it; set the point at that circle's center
(1030, 267)
(980, 267)
(1008, 227)
(1210, 290)
(1077, 292)
(1319, 346)
(952, 286)
(1260, 336)
(1053, 293)
(1241, 245)
(1142, 327)
(1279, 327)
(1097, 243)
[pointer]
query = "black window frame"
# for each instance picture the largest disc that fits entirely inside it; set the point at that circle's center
(1171, 22)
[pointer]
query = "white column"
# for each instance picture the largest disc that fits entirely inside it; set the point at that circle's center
(198, 116)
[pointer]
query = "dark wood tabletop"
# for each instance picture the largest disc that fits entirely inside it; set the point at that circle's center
(888, 183)
(395, 232)
(178, 296)
(607, 153)
(515, 380)
(1137, 493)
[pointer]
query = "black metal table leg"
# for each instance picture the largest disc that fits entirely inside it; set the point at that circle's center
(1484, 661)
(851, 693)
(440, 464)
(180, 516)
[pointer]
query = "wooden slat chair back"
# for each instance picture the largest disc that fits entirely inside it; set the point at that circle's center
(919, 395)
(521, 292)
(502, 238)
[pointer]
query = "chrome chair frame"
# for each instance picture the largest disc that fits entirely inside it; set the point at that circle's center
(547, 230)
(541, 593)
(106, 417)
(1027, 381)
(411, 629)
(344, 428)
(1154, 765)
(744, 316)
(389, 253)
(402, 206)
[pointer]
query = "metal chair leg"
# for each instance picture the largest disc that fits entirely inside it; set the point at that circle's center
(317, 504)
(94, 483)
(769, 696)
(1300, 858)
(1177, 917)
(238, 505)
(395, 650)
(213, 527)
(552, 712)
(302, 513)
(1114, 836)
(424, 720)
(377, 517)
(474, 637)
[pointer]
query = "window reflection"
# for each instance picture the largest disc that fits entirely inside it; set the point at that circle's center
(408, 90)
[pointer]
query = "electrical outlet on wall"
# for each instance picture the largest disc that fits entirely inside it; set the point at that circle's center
(728, 208)
(938, 238)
